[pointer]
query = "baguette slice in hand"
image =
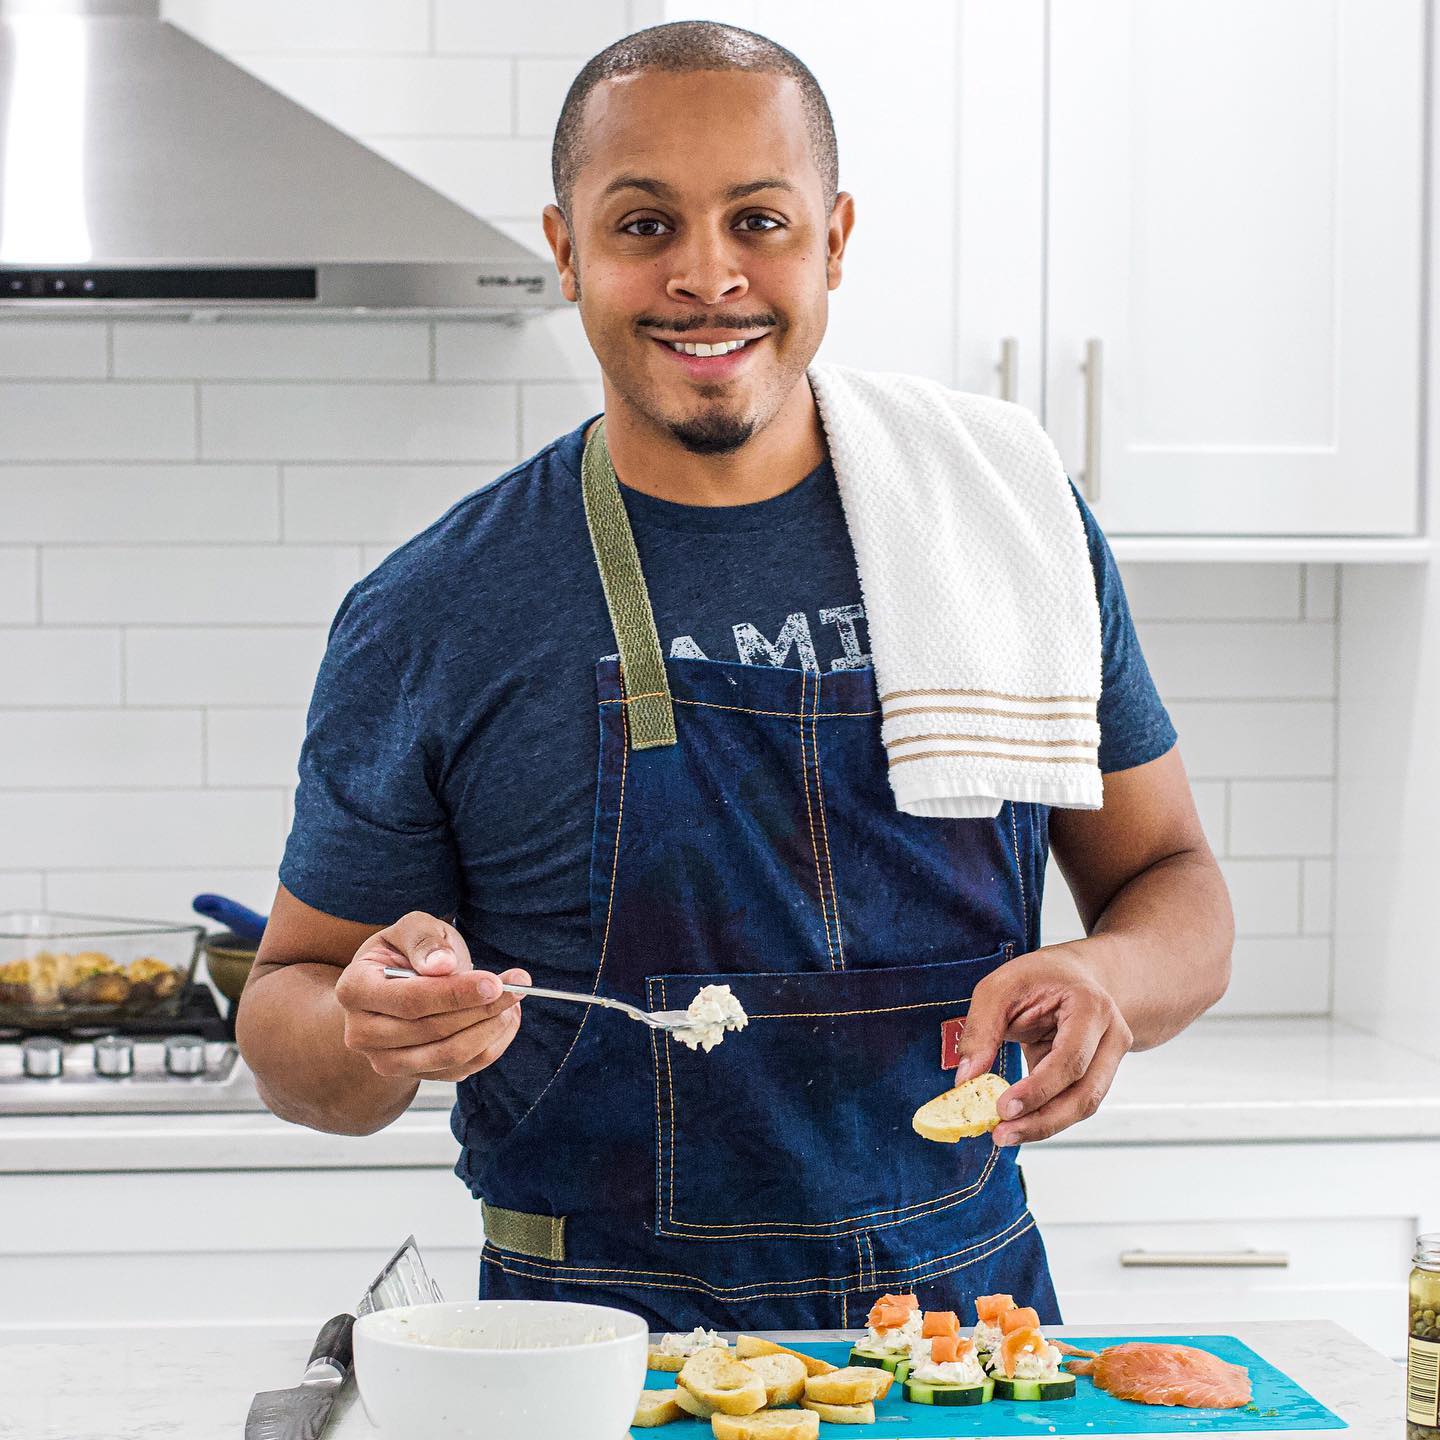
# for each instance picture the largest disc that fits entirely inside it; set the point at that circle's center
(962, 1111)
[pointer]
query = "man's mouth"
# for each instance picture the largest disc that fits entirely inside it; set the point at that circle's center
(711, 357)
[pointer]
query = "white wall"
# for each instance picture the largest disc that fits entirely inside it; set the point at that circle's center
(183, 506)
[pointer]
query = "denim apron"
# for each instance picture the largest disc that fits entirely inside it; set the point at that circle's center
(746, 835)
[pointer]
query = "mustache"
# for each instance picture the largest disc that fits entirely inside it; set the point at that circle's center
(705, 322)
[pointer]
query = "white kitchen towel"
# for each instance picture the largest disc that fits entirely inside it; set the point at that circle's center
(979, 596)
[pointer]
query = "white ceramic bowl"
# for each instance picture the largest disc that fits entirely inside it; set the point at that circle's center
(500, 1370)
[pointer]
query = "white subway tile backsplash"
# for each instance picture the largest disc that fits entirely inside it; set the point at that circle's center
(70, 749)
(142, 828)
(1212, 592)
(19, 588)
(263, 665)
(253, 747)
(1231, 738)
(157, 894)
(369, 95)
(1322, 592)
(74, 420)
(546, 347)
(463, 25)
(47, 666)
(358, 422)
(73, 504)
(1211, 805)
(52, 350)
(235, 350)
(196, 584)
(371, 504)
(1059, 919)
(1317, 886)
(552, 410)
(490, 176)
(1281, 817)
(540, 90)
(1247, 661)
(22, 890)
(1278, 976)
(335, 26)
(1265, 895)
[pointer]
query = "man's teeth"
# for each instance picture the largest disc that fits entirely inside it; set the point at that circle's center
(723, 348)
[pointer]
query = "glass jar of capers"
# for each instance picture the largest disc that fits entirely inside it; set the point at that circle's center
(1422, 1373)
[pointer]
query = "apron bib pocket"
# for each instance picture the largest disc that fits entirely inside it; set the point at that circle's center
(800, 1123)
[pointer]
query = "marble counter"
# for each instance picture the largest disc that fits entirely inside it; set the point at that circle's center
(197, 1382)
(1220, 1082)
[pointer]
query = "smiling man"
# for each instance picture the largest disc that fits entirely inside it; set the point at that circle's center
(489, 795)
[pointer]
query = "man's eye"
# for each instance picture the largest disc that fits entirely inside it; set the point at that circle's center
(770, 221)
(644, 234)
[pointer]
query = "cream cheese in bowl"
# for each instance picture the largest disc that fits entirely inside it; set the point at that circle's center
(478, 1369)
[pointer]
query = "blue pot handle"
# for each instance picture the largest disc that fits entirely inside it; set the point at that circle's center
(245, 922)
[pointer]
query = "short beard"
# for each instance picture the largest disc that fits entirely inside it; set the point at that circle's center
(712, 434)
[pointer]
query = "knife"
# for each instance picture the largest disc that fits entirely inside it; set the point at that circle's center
(300, 1413)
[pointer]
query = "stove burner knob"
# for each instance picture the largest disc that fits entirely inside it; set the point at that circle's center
(114, 1057)
(185, 1055)
(42, 1058)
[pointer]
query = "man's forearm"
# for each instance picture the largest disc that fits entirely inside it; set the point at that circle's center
(291, 1031)
(1161, 947)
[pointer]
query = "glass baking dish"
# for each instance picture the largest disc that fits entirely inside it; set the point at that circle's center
(59, 971)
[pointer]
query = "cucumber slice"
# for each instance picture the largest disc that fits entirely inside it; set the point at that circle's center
(902, 1371)
(1035, 1390)
(877, 1359)
(929, 1392)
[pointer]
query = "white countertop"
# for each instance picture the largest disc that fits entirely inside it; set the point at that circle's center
(1222, 1081)
(197, 1383)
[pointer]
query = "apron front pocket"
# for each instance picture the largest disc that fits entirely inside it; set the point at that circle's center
(798, 1126)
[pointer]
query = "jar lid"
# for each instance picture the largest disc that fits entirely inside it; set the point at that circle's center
(1427, 1251)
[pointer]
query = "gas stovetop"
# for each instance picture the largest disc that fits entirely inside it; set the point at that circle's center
(187, 1061)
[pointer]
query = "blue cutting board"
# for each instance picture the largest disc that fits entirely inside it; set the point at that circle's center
(1278, 1404)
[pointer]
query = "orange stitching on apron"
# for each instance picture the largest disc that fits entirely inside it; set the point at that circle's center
(870, 1251)
(776, 714)
(810, 816)
(844, 1312)
(859, 1258)
(605, 942)
(1019, 871)
(988, 755)
(827, 1284)
(824, 824)
(991, 695)
(800, 1229)
(670, 1093)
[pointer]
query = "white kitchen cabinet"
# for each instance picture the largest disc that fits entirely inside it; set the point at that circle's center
(1166, 1233)
(1235, 198)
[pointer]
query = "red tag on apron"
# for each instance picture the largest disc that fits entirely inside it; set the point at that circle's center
(950, 1033)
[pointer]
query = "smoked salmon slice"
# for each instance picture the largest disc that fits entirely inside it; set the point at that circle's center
(1166, 1375)
(945, 1348)
(1021, 1318)
(1018, 1343)
(940, 1322)
(990, 1308)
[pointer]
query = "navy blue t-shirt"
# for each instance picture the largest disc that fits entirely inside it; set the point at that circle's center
(449, 763)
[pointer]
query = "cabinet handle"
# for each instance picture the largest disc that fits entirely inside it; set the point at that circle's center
(1009, 368)
(1204, 1260)
(1094, 360)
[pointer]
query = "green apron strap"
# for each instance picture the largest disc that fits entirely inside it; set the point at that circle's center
(650, 713)
(540, 1235)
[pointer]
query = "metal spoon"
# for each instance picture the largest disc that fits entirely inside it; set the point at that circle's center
(667, 1020)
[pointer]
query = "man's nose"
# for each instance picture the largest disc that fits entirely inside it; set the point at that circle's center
(706, 270)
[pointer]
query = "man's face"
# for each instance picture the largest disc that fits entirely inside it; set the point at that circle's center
(685, 257)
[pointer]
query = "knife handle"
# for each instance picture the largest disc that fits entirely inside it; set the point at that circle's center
(333, 1347)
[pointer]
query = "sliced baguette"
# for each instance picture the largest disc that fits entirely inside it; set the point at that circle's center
(962, 1111)
(784, 1377)
(853, 1385)
(672, 1364)
(723, 1382)
(656, 1407)
(767, 1425)
(748, 1346)
(691, 1406)
(842, 1414)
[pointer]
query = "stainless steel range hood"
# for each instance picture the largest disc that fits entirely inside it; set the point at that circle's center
(141, 171)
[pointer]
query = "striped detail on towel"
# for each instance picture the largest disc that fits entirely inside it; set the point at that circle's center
(989, 725)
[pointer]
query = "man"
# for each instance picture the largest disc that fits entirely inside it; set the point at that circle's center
(474, 804)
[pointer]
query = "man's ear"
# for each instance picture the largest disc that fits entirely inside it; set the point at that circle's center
(842, 217)
(557, 233)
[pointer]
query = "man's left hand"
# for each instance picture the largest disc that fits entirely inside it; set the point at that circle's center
(1070, 1027)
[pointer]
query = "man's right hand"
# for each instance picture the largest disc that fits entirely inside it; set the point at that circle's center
(446, 1024)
